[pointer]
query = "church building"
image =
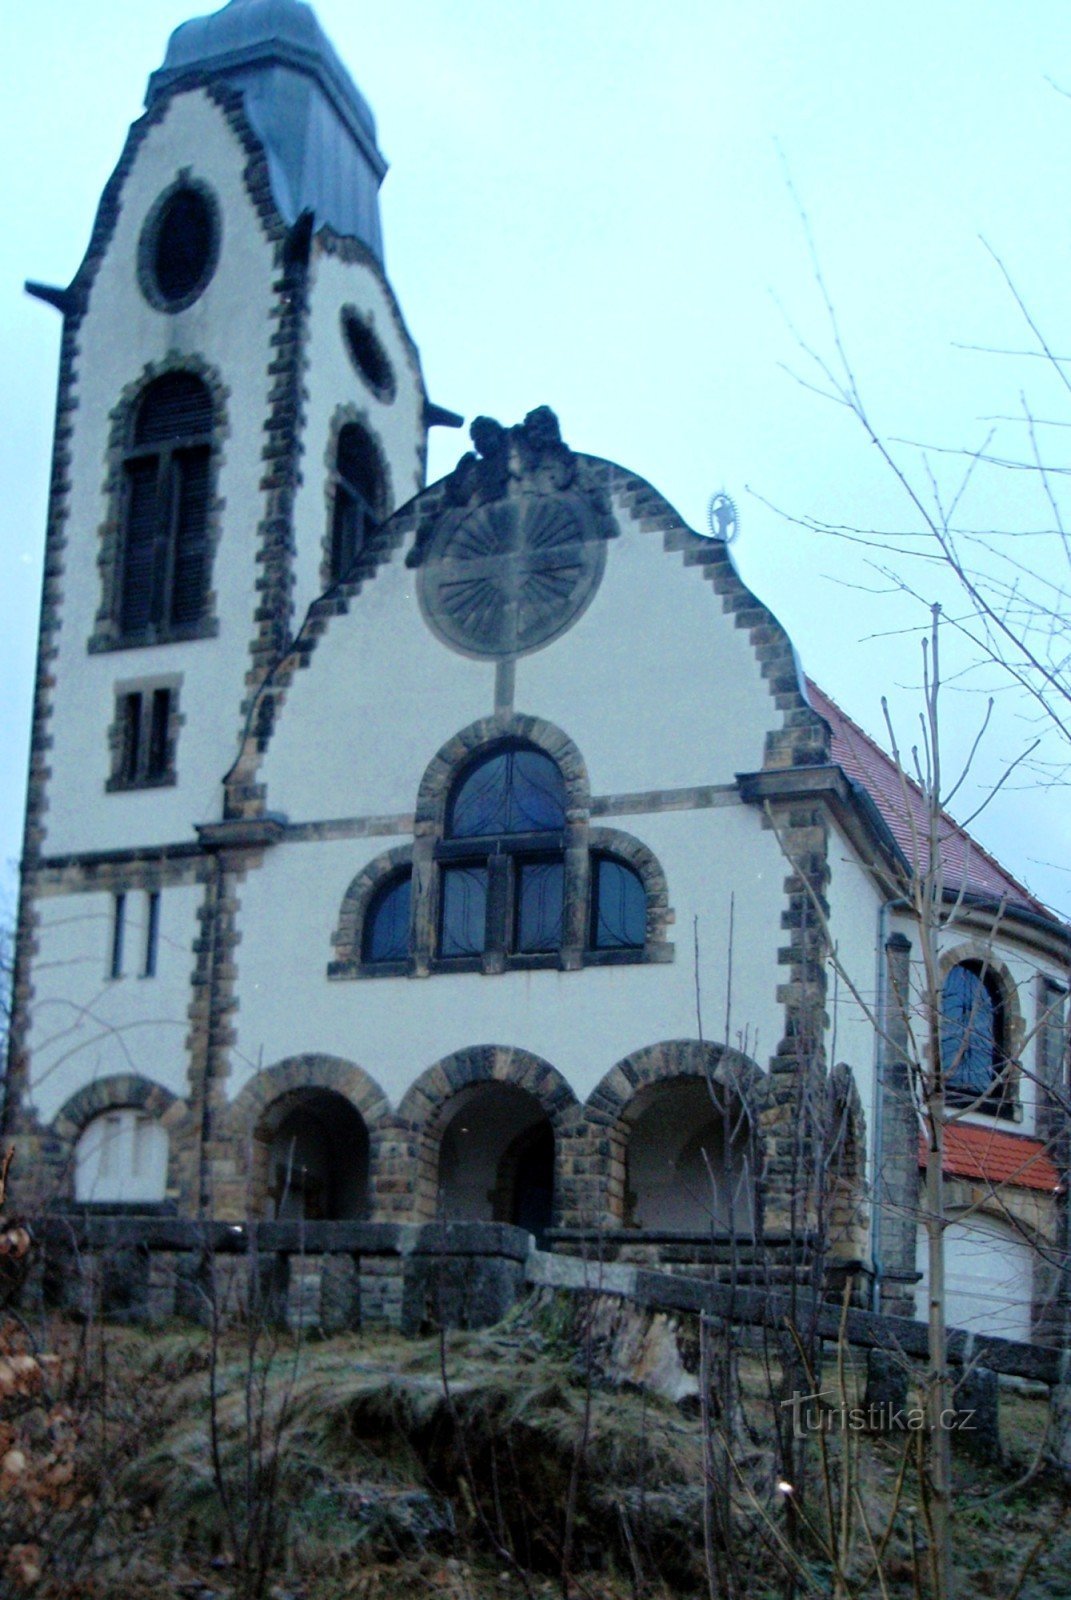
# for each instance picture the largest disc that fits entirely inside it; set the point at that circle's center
(473, 850)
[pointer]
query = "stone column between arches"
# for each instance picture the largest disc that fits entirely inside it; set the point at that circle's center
(794, 1113)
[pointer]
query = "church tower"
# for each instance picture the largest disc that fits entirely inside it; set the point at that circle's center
(240, 404)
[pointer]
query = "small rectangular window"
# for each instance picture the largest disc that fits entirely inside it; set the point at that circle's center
(142, 737)
(118, 922)
(143, 1132)
(152, 934)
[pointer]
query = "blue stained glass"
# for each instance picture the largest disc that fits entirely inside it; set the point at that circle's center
(970, 1044)
(619, 907)
(512, 791)
(540, 893)
(386, 936)
(464, 911)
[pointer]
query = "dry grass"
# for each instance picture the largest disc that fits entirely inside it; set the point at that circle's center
(391, 1486)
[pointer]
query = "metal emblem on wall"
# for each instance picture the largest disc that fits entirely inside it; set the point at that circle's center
(520, 552)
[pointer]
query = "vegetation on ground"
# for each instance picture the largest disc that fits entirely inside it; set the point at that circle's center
(484, 1464)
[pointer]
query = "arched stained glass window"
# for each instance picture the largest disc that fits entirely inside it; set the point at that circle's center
(511, 878)
(972, 1026)
(386, 928)
(501, 889)
(514, 790)
(618, 906)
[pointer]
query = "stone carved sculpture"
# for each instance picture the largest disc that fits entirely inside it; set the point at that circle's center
(517, 551)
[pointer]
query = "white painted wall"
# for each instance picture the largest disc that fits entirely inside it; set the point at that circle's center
(854, 908)
(654, 683)
(86, 1025)
(331, 380)
(989, 1274)
(120, 335)
(582, 1022)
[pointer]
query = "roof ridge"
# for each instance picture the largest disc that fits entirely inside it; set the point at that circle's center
(957, 828)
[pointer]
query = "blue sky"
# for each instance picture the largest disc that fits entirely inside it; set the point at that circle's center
(587, 207)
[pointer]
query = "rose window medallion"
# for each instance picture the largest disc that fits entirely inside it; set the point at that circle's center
(510, 576)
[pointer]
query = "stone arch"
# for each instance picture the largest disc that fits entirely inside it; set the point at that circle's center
(121, 1091)
(439, 777)
(374, 549)
(615, 842)
(619, 1099)
(347, 936)
(844, 1188)
(424, 1115)
(429, 824)
(262, 1106)
(981, 953)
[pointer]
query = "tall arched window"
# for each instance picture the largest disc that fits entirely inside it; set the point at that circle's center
(502, 875)
(164, 554)
(358, 498)
(973, 1055)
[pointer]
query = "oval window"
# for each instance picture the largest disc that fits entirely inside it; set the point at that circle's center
(368, 355)
(179, 247)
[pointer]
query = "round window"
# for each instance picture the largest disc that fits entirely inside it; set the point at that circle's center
(179, 247)
(367, 354)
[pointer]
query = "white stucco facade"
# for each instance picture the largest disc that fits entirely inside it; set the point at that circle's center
(122, 338)
(197, 960)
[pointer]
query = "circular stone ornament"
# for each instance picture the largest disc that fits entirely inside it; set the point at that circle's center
(179, 246)
(509, 577)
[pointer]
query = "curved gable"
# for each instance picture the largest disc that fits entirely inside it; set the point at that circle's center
(661, 689)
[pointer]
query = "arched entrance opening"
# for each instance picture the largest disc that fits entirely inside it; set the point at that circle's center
(496, 1158)
(689, 1161)
(317, 1158)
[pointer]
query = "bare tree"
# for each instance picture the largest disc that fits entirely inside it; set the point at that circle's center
(914, 1028)
(1007, 587)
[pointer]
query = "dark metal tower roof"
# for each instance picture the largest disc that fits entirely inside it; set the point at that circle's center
(316, 127)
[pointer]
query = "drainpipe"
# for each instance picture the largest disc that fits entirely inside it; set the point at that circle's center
(204, 1131)
(878, 1117)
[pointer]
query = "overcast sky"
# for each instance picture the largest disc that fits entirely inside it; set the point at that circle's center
(587, 207)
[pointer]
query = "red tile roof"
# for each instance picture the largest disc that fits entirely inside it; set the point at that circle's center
(966, 864)
(996, 1157)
